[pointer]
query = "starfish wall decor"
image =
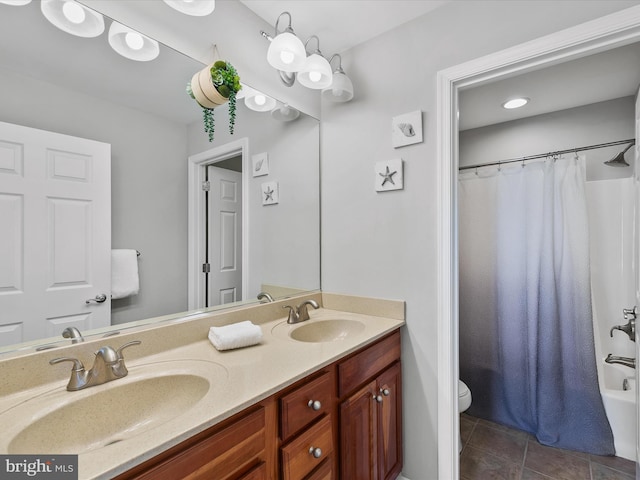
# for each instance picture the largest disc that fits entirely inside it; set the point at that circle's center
(389, 175)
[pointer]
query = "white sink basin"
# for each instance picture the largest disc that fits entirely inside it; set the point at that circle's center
(77, 422)
(321, 330)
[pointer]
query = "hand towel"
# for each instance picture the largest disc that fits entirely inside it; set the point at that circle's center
(236, 335)
(124, 273)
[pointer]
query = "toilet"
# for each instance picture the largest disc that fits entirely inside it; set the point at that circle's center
(464, 402)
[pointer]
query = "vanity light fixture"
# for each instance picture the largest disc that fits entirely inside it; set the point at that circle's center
(341, 88)
(285, 113)
(131, 44)
(515, 103)
(286, 51)
(195, 8)
(72, 17)
(258, 101)
(316, 71)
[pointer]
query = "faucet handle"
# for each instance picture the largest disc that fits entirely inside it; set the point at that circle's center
(293, 314)
(126, 345)
(78, 374)
(77, 364)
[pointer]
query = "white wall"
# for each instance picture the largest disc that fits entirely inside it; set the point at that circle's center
(384, 244)
(148, 175)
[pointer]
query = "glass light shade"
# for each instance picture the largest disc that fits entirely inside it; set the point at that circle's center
(340, 90)
(16, 3)
(286, 52)
(195, 8)
(316, 72)
(131, 44)
(72, 17)
(259, 102)
(285, 113)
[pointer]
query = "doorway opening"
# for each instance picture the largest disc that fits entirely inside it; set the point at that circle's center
(601, 34)
(218, 225)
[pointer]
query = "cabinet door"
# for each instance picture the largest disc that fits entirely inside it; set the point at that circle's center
(389, 419)
(358, 435)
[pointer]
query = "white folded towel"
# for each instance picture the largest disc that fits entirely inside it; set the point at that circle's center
(236, 335)
(124, 273)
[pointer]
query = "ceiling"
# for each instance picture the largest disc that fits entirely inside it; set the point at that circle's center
(592, 79)
(339, 23)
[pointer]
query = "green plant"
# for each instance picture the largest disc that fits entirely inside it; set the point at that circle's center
(227, 81)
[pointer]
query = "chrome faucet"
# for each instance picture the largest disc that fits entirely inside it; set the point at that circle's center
(108, 365)
(300, 313)
(266, 296)
(73, 333)
(626, 361)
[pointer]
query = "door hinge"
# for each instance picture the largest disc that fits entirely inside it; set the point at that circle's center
(206, 186)
(206, 268)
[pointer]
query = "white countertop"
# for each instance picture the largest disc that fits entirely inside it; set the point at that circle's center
(236, 378)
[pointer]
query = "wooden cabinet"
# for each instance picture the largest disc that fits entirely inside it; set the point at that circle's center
(371, 412)
(342, 422)
(237, 449)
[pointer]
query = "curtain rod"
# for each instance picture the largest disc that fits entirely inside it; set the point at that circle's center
(550, 154)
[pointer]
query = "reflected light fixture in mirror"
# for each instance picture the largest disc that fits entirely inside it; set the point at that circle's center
(316, 71)
(258, 101)
(195, 8)
(341, 88)
(131, 44)
(72, 17)
(15, 3)
(286, 51)
(285, 113)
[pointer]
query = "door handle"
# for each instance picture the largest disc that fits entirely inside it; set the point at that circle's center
(101, 297)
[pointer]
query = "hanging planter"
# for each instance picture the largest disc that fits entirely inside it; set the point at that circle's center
(213, 86)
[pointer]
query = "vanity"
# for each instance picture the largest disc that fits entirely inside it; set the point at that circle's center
(320, 399)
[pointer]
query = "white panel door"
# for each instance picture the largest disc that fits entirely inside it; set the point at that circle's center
(55, 240)
(225, 236)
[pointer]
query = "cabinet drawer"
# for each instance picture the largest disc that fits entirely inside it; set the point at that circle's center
(356, 370)
(298, 460)
(230, 450)
(257, 473)
(323, 472)
(297, 409)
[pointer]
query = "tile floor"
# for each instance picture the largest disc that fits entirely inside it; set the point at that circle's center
(492, 451)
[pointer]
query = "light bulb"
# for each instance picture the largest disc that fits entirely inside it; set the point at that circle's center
(315, 76)
(73, 12)
(515, 103)
(260, 99)
(287, 57)
(134, 40)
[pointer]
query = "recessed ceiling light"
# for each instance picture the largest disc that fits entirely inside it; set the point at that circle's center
(515, 103)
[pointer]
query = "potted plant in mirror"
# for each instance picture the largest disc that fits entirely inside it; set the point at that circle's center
(213, 86)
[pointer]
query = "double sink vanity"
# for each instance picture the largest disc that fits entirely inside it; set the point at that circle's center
(318, 399)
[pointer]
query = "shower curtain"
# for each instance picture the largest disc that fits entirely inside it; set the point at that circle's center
(526, 333)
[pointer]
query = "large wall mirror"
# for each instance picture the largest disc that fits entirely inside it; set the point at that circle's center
(80, 87)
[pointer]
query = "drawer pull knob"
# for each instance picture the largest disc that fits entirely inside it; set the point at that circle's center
(378, 398)
(385, 392)
(314, 404)
(316, 452)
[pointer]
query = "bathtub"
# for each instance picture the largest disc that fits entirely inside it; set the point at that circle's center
(620, 406)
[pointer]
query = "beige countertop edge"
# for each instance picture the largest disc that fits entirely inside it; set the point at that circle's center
(297, 371)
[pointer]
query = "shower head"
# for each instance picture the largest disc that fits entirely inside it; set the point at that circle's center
(618, 160)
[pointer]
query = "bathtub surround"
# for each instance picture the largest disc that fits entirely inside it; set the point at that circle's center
(534, 367)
